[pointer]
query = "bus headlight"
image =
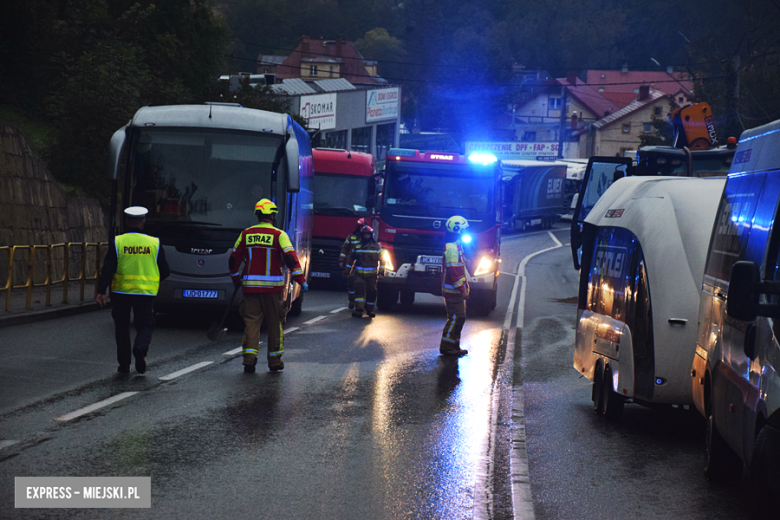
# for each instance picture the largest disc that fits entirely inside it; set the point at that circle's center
(387, 261)
(486, 265)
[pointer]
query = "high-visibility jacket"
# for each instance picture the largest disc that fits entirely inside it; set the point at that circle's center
(367, 256)
(349, 245)
(263, 249)
(137, 271)
(454, 275)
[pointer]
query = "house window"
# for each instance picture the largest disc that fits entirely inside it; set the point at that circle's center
(681, 100)
(647, 127)
(636, 91)
(312, 70)
(555, 103)
(601, 89)
(331, 71)
(361, 139)
(529, 137)
(657, 111)
(626, 128)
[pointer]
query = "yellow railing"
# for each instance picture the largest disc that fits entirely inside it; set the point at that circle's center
(30, 262)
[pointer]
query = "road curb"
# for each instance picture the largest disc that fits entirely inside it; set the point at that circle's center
(47, 314)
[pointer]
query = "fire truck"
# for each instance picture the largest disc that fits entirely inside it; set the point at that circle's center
(420, 191)
(344, 191)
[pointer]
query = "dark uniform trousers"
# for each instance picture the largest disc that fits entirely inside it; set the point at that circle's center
(365, 293)
(456, 318)
(350, 276)
(142, 306)
(257, 308)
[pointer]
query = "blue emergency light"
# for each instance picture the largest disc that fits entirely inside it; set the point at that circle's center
(466, 239)
(483, 158)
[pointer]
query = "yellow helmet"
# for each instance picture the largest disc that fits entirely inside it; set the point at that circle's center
(457, 224)
(266, 207)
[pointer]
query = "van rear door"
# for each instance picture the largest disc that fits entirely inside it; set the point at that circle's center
(599, 176)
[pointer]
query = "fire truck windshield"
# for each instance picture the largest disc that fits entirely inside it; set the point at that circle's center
(431, 188)
(201, 178)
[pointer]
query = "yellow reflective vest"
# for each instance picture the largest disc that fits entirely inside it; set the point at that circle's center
(136, 270)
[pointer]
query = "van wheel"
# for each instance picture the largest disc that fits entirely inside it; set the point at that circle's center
(597, 395)
(407, 298)
(612, 401)
(722, 464)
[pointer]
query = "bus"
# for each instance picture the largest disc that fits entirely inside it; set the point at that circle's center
(344, 191)
(199, 170)
(421, 190)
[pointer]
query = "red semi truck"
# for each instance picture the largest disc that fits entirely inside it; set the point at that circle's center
(344, 191)
(421, 190)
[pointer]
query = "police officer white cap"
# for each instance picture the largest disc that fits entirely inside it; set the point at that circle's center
(136, 212)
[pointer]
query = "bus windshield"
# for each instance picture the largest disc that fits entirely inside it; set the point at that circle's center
(428, 188)
(193, 178)
(340, 195)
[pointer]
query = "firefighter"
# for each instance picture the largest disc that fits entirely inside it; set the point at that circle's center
(366, 257)
(262, 249)
(346, 251)
(454, 287)
(133, 268)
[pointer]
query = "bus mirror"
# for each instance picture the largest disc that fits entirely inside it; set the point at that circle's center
(293, 167)
(619, 174)
(115, 147)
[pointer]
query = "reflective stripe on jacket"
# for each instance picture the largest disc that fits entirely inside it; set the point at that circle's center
(137, 271)
(454, 274)
(367, 257)
(263, 249)
(349, 245)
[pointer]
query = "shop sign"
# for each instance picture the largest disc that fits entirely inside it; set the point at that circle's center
(319, 111)
(382, 104)
(514, 150)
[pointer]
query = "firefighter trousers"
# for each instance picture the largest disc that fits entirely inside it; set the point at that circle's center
(255, 309)
(456, 318)
(350, 286)
(365, 293)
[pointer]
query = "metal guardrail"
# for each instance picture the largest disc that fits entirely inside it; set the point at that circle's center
(68, 248)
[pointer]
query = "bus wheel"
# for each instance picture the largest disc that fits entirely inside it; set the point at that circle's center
(297, 306)
(612, 401)
(386, 297)
(722, 464)
(407, 298)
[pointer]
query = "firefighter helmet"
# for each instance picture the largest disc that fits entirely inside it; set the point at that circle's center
(457, 224)
(266, 207)
(361, 222)
(367, 229)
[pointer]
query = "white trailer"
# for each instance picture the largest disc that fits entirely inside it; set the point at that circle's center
(643, 252)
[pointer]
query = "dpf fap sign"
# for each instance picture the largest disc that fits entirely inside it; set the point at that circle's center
(382, 104)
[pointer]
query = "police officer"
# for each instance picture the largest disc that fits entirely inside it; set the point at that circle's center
(262, 249)
(454, 287)
(346, 252)
(366, 257)
(133, 268)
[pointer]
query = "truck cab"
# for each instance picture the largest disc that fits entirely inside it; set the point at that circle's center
(344, 191)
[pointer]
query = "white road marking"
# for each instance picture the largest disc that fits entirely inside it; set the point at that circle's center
(233, 352)
(334, 311)
(187, 370)
(291, 329)
(6, 443)
(96, 406)
(314, 320)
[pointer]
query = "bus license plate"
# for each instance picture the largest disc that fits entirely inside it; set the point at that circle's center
(430, 260)
(320, 275)
(199, 293)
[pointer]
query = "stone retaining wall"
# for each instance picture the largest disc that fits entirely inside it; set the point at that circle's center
(35, 211)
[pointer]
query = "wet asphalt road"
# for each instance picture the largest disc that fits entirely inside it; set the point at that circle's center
(366, 420)
(648, 465)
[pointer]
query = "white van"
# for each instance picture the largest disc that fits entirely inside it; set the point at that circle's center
(734, 379)
(643, 248)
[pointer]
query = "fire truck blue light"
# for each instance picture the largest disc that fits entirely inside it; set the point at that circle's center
(483, 158)
(466, 239)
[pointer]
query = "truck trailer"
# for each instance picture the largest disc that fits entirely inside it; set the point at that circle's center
(533, 193)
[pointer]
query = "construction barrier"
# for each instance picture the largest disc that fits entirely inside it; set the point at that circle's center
(64, 264)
